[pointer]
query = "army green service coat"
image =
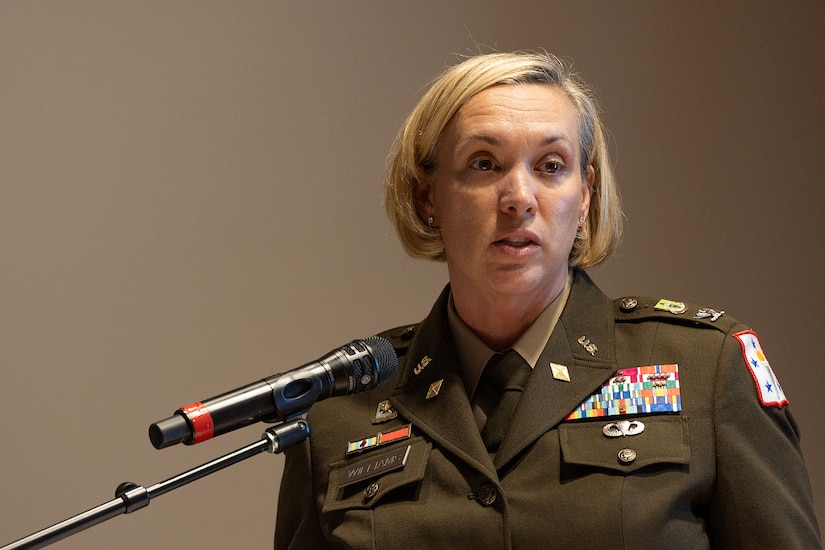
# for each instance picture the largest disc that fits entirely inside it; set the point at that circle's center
(725, 472)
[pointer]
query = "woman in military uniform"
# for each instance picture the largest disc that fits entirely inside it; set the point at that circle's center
(529, 410)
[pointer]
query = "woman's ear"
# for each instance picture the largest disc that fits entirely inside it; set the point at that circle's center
(423, 201)
(587, 191)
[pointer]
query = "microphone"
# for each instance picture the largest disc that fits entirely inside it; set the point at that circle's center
(358, 366)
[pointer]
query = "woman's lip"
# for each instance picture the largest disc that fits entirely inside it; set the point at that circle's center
(517, 238)
(515, 241)
(523, 248)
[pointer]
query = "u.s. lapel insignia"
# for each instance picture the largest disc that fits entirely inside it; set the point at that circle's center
(588, 345)
(422, 364)
(560, 372)
(640, 390)
(384, 412)
(435, 387)
(379, 439)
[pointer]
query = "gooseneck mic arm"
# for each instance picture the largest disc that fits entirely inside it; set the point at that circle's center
(284, 398)
(130, 497)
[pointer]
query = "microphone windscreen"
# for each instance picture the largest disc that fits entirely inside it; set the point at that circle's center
(385, 357)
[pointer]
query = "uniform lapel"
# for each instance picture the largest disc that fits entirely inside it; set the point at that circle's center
(588, 316)
(447, 418)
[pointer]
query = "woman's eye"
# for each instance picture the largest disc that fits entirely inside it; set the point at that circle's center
(551, 167)
(485, 165)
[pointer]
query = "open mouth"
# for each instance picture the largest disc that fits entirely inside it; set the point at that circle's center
(517, 242)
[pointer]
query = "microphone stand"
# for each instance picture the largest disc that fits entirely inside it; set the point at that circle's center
(131, 497)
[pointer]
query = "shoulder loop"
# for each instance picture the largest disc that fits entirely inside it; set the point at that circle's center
(642, 308)
(400, 337)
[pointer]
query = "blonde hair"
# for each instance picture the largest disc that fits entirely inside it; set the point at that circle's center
(413, 156)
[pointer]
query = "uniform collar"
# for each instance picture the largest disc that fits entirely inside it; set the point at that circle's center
(473, 354)
(432, 362)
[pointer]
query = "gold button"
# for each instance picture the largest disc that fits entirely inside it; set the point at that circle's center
(626, 456)
(371, 490)
(628, 305)
(487, 494)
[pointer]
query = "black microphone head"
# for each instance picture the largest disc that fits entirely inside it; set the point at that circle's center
(382, 365)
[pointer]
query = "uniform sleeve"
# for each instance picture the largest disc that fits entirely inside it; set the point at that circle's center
(297, 523)
(762, 497)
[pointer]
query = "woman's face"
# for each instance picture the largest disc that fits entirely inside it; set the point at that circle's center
(508, 191)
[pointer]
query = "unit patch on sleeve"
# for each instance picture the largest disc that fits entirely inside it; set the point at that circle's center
(767, 386)
(640, 390)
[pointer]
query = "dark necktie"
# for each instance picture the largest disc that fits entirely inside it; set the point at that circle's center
(507, 373)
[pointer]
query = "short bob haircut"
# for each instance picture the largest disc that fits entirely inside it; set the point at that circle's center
(412, 159)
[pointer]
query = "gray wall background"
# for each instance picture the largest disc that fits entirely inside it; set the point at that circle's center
(190, 201)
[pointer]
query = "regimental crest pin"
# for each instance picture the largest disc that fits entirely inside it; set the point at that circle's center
(384, 412)
(674, 307)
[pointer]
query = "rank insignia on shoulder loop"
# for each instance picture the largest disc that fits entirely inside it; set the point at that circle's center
(641, 390)
(384, 413)
(379, 439)
(767, 386)
(706, 313)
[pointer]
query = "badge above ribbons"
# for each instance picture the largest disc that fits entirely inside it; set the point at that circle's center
(767, 386)
(640, 390)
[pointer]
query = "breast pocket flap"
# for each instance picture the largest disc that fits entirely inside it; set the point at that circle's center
(626, 447)
(365, 480)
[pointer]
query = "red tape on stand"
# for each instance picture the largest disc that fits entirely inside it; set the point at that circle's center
(201, 421)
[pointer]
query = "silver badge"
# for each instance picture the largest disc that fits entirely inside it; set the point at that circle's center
(623, 428)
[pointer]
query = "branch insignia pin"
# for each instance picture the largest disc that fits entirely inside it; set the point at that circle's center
(435, 388)
(560, 372)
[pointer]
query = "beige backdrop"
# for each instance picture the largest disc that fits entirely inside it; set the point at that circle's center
(190, 201)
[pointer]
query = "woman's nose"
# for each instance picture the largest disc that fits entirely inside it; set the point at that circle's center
(518, 195)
